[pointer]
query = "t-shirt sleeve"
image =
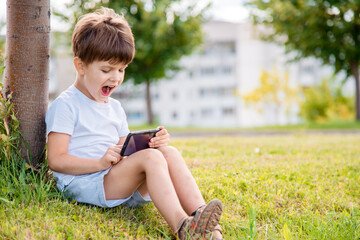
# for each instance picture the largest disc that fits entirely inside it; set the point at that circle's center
(60, 118)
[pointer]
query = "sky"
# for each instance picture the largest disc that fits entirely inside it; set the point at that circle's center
(226, 10)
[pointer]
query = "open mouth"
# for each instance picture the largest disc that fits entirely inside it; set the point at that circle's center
(106, 90)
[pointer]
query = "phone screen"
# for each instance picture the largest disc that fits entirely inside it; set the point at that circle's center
(137, 141)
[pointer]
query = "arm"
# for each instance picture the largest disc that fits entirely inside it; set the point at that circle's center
(60, 161)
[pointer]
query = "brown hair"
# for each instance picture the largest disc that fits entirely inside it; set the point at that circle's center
(103, 36)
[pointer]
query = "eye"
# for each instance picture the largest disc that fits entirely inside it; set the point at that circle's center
(105, 71)
(121, 70)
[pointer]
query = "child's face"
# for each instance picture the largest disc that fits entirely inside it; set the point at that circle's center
(99, 79)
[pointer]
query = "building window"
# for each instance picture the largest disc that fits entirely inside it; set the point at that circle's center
(156, 96)
(228, 111)
(206, 112)
(216, 92)
(135, 115)
(226, 47)
(190, 74)
(206, 71)
(226, 70)
(174, 115)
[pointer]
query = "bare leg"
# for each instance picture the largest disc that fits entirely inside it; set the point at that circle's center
(185, 185)
(148, 166)
(186, 188)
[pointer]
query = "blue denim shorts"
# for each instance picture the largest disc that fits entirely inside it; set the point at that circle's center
(89, 188)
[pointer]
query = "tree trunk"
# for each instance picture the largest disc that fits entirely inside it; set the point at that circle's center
(355, 72)
(27, 70)
(150, 116)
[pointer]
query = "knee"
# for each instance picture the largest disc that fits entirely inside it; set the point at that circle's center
(172, 155)
(154, 158)
(168, 151)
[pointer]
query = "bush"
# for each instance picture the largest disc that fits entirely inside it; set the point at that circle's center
(326, 102)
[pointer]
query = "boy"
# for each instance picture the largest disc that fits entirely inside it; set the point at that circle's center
(86, 130)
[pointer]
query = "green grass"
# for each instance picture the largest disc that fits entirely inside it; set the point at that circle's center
(278, 187)
(302, 187)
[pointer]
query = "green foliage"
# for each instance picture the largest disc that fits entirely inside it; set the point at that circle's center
(328, 30)
(326, 102)
(9, 125)
(163, 33)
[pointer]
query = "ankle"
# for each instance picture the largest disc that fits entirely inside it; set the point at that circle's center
(179, 225)
(194, 212)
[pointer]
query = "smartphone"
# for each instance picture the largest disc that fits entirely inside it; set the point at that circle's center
(136, 141)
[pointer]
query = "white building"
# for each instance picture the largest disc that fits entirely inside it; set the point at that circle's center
(203, 94)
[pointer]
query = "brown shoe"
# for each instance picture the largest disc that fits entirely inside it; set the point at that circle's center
(186, 229)
(202, 221)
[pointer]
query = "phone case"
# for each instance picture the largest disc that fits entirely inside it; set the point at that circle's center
(136, 141)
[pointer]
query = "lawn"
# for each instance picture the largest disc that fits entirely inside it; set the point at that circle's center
(272, 187)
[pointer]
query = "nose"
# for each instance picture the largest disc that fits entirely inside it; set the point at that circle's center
(116, 76)
(113, 79)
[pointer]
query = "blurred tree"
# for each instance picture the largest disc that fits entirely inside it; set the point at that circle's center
(326, 102)
(274, 90)
(26, 74)
(164, 30)
(327, 30)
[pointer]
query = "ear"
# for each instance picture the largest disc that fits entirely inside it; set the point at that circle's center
(79, 65)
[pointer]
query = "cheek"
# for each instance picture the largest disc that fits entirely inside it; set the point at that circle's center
(122, 77)
(94, 86)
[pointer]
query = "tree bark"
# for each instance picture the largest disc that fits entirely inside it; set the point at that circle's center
(27, 71)
(355, 72)
(150, 115)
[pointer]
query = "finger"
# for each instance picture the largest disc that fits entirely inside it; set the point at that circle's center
(114, 153)
(162, 136)
(160, 145)
(116, 148)
(111, 159)
(116, 159)
(164, 139)
(160, 142)
(162, 131)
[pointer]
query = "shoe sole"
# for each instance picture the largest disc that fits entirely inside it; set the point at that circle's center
(208, 218)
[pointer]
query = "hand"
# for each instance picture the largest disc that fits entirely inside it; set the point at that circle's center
(111, 157)
(161, 139)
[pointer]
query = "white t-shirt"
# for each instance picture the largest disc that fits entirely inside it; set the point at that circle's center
(93, 126)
